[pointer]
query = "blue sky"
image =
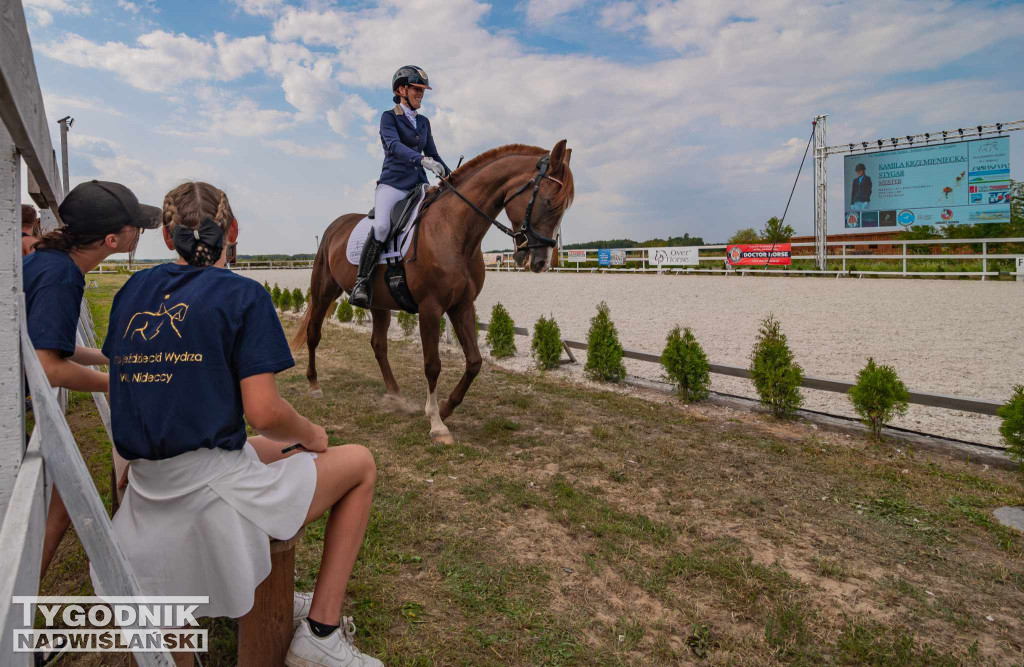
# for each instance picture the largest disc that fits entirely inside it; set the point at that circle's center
(686, 116)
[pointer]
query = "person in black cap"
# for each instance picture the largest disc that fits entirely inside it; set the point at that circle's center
(100, 219)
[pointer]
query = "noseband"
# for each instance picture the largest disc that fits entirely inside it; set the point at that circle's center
(526, 238)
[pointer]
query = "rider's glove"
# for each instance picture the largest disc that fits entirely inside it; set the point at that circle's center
(434, 166)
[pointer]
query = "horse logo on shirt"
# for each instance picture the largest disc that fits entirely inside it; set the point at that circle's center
(149, 324)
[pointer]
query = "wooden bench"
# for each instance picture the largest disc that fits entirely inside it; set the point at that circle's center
(265, 633)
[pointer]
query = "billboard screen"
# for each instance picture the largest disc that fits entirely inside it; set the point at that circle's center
(965, 182)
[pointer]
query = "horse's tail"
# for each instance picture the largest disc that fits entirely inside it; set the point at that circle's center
(319, 267)
(300, 337)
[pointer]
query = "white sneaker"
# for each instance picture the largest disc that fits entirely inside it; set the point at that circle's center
(334, 650)
(302, 604)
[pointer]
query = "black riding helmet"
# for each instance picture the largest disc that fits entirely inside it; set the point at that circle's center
(410, 75)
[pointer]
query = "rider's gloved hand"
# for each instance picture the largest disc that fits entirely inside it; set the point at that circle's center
(433, 165)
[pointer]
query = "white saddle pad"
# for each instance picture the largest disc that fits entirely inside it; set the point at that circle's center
(363, 229)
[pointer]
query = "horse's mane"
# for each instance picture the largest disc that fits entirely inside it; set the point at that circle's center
(561, 200)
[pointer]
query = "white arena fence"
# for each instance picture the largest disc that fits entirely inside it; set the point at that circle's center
(711, 260)
(28, 470)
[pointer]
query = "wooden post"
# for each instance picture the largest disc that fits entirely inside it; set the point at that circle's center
(12, 399)
(265, 633)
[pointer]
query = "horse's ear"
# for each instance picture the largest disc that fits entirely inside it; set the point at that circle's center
(568, 155)
(557, 155)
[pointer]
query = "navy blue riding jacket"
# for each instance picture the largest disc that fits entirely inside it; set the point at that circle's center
(404, 147)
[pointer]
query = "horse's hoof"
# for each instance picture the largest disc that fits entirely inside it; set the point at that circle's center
(444, 438)
(316, 393)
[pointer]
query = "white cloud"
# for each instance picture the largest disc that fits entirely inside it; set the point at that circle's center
(351, 109)
(162, 59)
(64, 105)
(42, 11)
(223, 113)
(213, 150)
(323, 151)
(259, 7)
(238, 57)
(91, 144)
(129, 7)
(543, 12)
(619, 16)
(313, 27)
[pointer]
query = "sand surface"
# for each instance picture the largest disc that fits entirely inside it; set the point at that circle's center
(964, 338)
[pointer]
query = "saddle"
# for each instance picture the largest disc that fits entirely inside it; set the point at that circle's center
(394, 274)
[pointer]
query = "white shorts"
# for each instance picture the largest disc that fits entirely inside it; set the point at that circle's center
(200, 523)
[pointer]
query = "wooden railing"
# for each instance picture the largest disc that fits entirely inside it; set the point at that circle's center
(27, 470)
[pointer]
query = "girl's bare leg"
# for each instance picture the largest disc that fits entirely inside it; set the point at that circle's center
(345, 477)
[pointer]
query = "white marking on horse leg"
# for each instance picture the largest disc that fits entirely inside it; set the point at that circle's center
(438, 431)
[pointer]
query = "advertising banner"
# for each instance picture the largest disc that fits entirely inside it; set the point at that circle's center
(618, 257)
(757, 254)
(683, 256)
(963, 182)
(492, 258)
(604, 257)
(576, 256)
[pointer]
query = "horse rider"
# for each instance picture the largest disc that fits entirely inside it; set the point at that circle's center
(408, 152)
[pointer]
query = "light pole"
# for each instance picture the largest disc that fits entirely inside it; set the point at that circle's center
(65, 124)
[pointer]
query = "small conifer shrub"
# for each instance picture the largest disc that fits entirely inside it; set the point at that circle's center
(275, 296)
(604, 352)
(285, 302)
(546, 345)
(344, 311)
(501, 333)
(878, 396)
(1012, 428)
(297, 299)
(686, 365)
(775, 374)
(266, 286)
(360, 315)
(407, 321)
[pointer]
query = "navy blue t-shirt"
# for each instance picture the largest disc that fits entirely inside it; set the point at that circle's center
(180, 340)
(54, 286)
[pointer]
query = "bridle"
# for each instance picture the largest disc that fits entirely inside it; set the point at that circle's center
(526, 238)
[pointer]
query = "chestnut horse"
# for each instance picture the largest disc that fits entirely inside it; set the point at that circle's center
(533, 186)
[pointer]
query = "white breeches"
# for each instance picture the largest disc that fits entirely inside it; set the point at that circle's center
(384, 199)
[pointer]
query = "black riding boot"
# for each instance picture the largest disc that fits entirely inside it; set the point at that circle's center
(362, 293)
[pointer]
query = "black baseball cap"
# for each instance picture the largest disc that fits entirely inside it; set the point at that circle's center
(96, 208)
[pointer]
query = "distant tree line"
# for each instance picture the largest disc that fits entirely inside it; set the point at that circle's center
(672, 241)
(276, 257)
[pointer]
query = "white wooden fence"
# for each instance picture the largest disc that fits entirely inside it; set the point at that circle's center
(711, 259)
(28, 470)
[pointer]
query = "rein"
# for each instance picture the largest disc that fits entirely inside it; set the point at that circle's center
(526, 238)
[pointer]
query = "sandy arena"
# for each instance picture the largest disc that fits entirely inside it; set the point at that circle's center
(963, 338)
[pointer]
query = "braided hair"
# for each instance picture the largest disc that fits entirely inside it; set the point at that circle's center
(189, 205)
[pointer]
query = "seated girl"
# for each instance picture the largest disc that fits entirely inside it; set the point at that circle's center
(100, 219)
(194, 349)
